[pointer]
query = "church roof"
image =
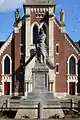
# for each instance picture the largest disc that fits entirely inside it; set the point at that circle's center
(1, 43)
(38, 2)
(75, 44)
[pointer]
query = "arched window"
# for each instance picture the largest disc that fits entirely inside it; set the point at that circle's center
(35, 33)
(6, 65)
(72, 65)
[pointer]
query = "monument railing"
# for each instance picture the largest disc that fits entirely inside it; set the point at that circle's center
(68, 104)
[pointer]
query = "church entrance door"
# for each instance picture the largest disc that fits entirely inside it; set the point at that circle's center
(6, 88)
(72, 88)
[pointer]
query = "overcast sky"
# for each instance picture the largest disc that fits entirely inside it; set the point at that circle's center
(72, 16)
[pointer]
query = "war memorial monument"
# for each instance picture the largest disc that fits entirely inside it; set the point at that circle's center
(40, 94)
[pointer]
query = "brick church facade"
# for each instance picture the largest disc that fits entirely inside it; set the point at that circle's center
(17, 61)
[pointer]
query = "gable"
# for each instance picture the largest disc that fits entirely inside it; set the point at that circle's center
(72, 44)
(6, 43)
(57, 28)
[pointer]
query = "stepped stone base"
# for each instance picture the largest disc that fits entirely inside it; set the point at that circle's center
(40, 94)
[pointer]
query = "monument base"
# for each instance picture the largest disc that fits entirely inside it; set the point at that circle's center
(48, 111)
(40, 94)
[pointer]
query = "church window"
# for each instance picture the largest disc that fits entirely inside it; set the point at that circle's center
(22, 48)
(57, 68)
(7, 65)
(57, 48)
(35, 33)
(72, 65)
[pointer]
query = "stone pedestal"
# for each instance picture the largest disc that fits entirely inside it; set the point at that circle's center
(40, 94)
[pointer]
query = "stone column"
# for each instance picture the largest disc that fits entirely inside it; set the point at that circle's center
(25, 89)
(33, 80)
(51, 36)
(28, 31)
(16, 31)
(50, 86)
(51, 43)
(27, 38)
(31, 85)
(76, 88)
(68, 87)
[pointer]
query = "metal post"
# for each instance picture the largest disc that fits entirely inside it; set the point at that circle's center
(6, 103)
(40, 111)
(71, 104)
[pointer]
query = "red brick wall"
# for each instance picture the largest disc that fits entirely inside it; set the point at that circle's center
(39, 20)
(19, 59)
(79, 74)
(6, 51)
(14, 49)
(17, 41)
(65, 50)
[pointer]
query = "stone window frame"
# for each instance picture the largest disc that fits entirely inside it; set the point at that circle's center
(32, 26)
(6, 55)
(76, 60)
(39, 26)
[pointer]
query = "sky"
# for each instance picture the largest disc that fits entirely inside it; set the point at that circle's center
(72, 16)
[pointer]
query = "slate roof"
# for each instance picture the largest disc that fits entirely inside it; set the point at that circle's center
(1, 43)
(75, 44)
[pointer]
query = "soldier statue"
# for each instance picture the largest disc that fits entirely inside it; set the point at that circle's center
(41, 51)
(41, 46)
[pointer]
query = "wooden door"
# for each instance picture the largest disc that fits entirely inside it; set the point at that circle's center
(72, 88)
(7, 88)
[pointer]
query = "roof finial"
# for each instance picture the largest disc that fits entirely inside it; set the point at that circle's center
(17, 17)
(62, 16)
(62, 20)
